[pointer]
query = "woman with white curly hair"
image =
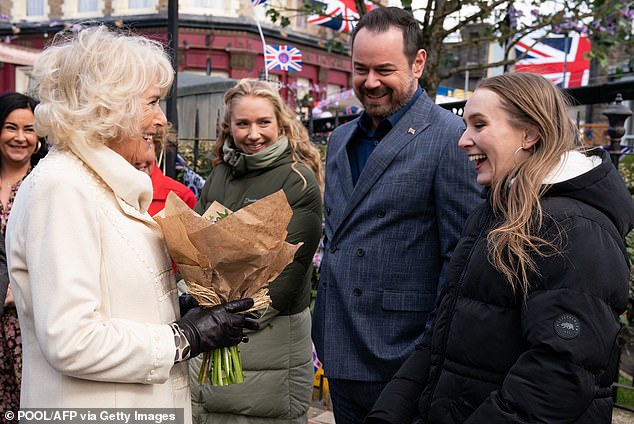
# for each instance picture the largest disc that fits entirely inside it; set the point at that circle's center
(92, 279)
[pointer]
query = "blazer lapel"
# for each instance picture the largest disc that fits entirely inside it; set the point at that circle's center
(409, 127)
(342, 164)
(338, 173)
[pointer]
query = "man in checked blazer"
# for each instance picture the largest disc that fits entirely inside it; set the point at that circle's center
(398, 190)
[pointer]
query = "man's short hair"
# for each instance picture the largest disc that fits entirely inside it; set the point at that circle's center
(382, 18)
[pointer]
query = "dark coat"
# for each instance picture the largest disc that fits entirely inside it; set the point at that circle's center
(290, 292)
(277, 361)
(493, 356)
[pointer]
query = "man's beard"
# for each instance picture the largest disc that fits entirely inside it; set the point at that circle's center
(394, 104)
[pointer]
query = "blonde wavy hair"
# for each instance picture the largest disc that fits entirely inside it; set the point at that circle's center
(89, 85)
(302, 149)
(531, 101)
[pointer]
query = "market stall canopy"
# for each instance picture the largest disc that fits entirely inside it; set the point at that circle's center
(344, 102)
(17, 55)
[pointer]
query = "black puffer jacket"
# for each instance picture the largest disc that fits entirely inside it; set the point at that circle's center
(493, 357)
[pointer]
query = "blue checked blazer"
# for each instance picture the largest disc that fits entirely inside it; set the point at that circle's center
(388, 240)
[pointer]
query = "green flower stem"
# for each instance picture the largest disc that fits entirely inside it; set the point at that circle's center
(226, 367)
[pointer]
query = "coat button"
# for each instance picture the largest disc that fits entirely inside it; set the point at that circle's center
(333, 249)
(360, 253)
(381, 213)
(327, 211)
(357, 292)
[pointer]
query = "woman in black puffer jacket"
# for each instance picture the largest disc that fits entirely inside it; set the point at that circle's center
(526, 329)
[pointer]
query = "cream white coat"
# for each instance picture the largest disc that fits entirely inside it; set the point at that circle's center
(94, 287)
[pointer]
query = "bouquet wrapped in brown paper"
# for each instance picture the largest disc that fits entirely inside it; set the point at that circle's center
(225, 256)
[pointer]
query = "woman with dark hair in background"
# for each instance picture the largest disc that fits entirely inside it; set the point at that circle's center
(20, 150)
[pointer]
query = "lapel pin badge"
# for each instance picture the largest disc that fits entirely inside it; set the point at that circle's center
(411, 131)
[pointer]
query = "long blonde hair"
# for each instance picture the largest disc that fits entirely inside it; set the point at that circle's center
(531, 101)
(302, 149)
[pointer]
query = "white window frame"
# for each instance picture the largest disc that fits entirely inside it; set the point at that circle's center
(70, 10)
(122, 7)
(333, 90)
(23, 81)
(303, 87)
(219, 8)
(18, 11)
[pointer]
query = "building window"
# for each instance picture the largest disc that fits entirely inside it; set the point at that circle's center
(29, 10)
(74, 9)
(87, 6)
(211, 7)
(140, 4)
(303, 87)
(333, 90)
(202, 3)
(23, 81)
(131, 7)
(35, 8)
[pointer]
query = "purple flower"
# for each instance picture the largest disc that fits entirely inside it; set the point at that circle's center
(627, 13)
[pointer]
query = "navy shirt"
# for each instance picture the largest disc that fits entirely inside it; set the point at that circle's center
(365, 139)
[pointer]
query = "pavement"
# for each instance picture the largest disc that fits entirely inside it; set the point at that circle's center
(320, 411)
(619, 416)
(319, 414)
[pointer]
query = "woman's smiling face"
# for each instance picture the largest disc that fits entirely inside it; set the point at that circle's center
(18, 140)
(153, 120)
(254, 125)
(490, 140)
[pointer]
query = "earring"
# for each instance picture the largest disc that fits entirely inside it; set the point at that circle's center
(515, 154)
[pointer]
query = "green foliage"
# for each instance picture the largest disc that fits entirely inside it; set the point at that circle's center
(222, 215)
(611, 28)
(606, 22)
(205, 155)
(626, 169)
(276, 17)
(625, 397)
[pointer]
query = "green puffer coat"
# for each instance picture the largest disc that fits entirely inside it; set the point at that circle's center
(277, 360)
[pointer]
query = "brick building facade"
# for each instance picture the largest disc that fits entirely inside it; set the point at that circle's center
(215, 37)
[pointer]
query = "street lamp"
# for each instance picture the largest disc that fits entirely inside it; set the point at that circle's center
(616, 113)
(171, 150)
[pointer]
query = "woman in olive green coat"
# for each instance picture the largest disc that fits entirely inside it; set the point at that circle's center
(262, 148)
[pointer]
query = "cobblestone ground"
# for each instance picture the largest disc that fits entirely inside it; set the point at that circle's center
(320, 414)
(620, 416)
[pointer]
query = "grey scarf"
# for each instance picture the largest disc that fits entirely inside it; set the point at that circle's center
(242, 162)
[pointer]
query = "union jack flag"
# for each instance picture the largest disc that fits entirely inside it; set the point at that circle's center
(257, 2)
(556, 57)
(285, 58)
(340, 15)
